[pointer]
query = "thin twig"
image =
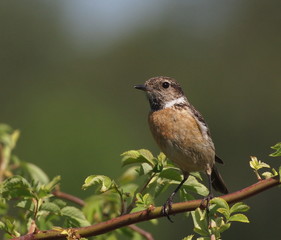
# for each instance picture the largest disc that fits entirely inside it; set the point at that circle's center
(148, 181)
(122, 203)
(145, 234)
(152, 213)
(68, 197)
(131, 206)
(36, 207)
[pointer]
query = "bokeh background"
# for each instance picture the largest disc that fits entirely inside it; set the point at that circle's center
(67, 70)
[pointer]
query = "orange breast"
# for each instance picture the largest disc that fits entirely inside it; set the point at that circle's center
(179, 137)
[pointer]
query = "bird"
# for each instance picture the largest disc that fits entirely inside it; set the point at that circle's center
(181, 133)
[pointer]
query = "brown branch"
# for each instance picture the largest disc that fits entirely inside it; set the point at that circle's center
(145, 234)
(152, 213)
(80, 202)
(68, 197)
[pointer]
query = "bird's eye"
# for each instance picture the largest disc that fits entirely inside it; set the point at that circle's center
(165, 84)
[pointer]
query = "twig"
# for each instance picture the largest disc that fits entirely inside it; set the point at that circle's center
(153, 213)
(131, 206)
(68, 197)
(145, 234)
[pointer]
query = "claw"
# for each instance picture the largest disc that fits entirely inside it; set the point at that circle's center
(167, 206)
(206, 199)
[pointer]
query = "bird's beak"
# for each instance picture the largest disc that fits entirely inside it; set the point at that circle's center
(140, 87)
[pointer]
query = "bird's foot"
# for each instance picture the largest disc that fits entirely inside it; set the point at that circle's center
(205, 203)
(167, 206)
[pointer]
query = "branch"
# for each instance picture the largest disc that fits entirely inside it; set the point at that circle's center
(152, 213)
(71, 198)
(68, 197)
(142, 232)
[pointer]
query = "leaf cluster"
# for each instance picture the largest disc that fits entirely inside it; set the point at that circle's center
(257, 165)
(28, 202)
(219, 217)
(126, 194)
(158, 175)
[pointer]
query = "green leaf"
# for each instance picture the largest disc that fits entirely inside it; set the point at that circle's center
(257, 164)
(4, 128)
(92, 209)
(224, 212)
(193, 185)
(8, 139)
(185, 196)
(144, 169)
(144, 200)
(8, 225)
(172, 174)
(45, 190)
(3, 206)
(8, 136)
(200, 231)
(100, 183)
(161, 157)
(26, 204)
(239, 207)
(224, 227)
(50, 207)
(51, 185)
(15, 187)
(158, 167)
(75, 216)
(60, 203)
(222, 206)
(2, 225)
(128, 176)
(239, 218)
(220, 202)
(158, 187)
(280, 173)
(138, 209)
(154, 221)
(200, 223)
(36, 173)
(197, 175)
(14, 138)
(267, 175)
(137, 156)
(128, 190)
(189, 237)
(276, 147)
(274, 172)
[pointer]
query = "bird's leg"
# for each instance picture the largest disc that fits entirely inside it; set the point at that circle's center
(167, 206)
(209, 196)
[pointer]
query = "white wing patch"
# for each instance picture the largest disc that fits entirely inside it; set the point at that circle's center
(203, 128)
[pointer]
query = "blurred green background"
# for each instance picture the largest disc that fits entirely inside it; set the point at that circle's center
(67, 70)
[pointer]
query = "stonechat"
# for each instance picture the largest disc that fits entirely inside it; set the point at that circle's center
(181, 133)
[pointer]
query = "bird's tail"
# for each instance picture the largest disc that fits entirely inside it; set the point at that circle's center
(217, 181)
